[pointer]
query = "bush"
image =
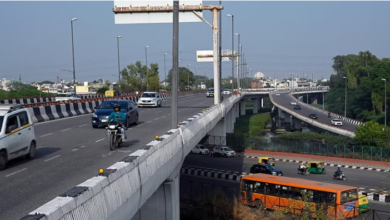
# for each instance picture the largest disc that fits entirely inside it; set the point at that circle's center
(23, 93)
(315, 137)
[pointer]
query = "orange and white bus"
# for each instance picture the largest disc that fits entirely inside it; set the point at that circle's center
(285, 193)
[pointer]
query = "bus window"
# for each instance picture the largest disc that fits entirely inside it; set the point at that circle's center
(349, 195)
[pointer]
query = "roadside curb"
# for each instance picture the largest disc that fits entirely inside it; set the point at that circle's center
(326, 164)
(236, 177)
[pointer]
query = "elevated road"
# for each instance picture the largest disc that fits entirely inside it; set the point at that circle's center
(285, 99)
(71, 151)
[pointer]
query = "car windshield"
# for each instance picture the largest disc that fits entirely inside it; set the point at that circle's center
(149, 95)
(227, 149)
(110, 105)
(1, 122)
(211, 90)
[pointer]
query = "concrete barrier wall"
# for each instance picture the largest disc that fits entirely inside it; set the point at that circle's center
(121, 190)
(314, 122)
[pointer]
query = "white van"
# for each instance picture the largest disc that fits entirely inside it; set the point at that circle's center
(17, 134)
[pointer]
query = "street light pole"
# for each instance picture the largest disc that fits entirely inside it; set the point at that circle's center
(345, 107)
(238, 62)
(119, 64)
(147, 72)
(165, 70)
(74, 68)
(188, 78)
(233, 55)
(385, 101)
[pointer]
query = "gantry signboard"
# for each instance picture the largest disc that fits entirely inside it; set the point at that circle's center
(207, 55)
(154, 11)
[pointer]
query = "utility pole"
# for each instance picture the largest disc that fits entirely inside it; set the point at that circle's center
(385, 101)
(74, 68)
(165, 70)
(119, 64)
(175, 63)
(147, 72)
(233, 55)
(345, 107)
(20, 78)
(220, 52)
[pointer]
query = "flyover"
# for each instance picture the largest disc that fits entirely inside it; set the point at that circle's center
(149, 176)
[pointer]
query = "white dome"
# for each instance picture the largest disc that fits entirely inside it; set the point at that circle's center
(259, 75)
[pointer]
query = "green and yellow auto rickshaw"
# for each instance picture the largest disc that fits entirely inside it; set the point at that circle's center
(363, 203)
(267, 160)
(316, 167)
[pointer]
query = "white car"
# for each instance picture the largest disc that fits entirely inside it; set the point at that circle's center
(336, 122)
(224, 151)
(66, 96)
(210, 92)
(293, 103)
(200, 149)
(226, 92)
(149, 99)
(17, 135)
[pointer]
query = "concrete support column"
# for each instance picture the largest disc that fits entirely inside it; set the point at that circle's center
(229, 122)
(260, 104)
(297, 123)
(242, 107)
(238, 110)
(220, 130)
(255, 106)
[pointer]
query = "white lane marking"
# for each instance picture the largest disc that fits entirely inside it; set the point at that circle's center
(66, 129)
(100, 140)
(52, 158)
(148, 121)
(163, 116)
(16, 172)
(75, 149)
(156, 119)
(82, 125)
(46, 135)
(83, 146)
(60, 119)
(381, 182)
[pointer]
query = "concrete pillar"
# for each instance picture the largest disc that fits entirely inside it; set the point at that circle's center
(287, 117)
(259, 104)
(297, 123)
(242, 107)
(262, 103)
(229, 122)
(255, 106)
(220, 130)
(238, 110)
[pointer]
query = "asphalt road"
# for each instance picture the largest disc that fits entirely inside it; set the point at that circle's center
(194, 183)
(70, 151)
(285, 99)
(360, 178)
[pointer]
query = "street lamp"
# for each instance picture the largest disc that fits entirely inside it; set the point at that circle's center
(119, 64)
(238, 61)
(188, 78)
(74, 68)
(165, 70)
(147, 72)
(385, 101)
(205, 78)
(345, 107)
(230, 15)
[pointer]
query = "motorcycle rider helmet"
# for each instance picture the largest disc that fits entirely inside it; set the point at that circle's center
(117, 106)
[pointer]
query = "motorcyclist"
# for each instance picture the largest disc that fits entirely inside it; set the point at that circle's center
(302, 168)
(338, 172)
(118, 117)
(329, 115)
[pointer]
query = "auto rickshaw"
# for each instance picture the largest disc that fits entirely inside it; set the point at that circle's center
(316, 167)
(363, 203)
(267, 160)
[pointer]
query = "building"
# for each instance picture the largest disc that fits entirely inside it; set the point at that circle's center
(256, 84)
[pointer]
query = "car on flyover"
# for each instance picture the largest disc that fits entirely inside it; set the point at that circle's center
(101, 114)
(297, 107)
(266, 169)
(226, 92)
(313, 116)
(152, 99)
(293, 103)
(210, 92)
(200, 149)
(336, 122)
(277, 94)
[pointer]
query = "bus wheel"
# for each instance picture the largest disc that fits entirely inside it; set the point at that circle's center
(258, 204)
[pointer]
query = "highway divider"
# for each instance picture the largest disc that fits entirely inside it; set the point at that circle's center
(119, 191)
(48, 111)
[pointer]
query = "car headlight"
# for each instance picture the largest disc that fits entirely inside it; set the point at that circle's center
(94, 115)
(111, 126)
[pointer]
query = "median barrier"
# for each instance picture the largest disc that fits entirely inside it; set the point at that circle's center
(316, 123)
(123, 188)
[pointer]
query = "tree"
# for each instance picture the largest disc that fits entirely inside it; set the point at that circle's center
(102, 90)
(18, 86)
(135, 77)
(185, 75)
(46, 82)
(370, 133)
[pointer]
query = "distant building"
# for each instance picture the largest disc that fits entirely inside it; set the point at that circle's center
(256, 84)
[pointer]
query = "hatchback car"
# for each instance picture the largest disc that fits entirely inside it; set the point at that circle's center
(297, 107)
(210, 92)
(101, 114)
(223, 151)
(313, 116)
(266, 169)
(17, 134)
(200, 149)
(152, 99)
(336, 122)
(293, 103)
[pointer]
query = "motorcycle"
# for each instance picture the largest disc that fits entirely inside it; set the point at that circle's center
(340, 176)
(328, 115)
(303, 172)
(114, 134)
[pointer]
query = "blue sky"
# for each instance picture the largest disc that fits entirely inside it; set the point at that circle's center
(277, 37)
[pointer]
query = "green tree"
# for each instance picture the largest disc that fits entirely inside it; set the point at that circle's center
(185, 76)
(102, 90)
(135, 77)
(370, 133)
(18, 86)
